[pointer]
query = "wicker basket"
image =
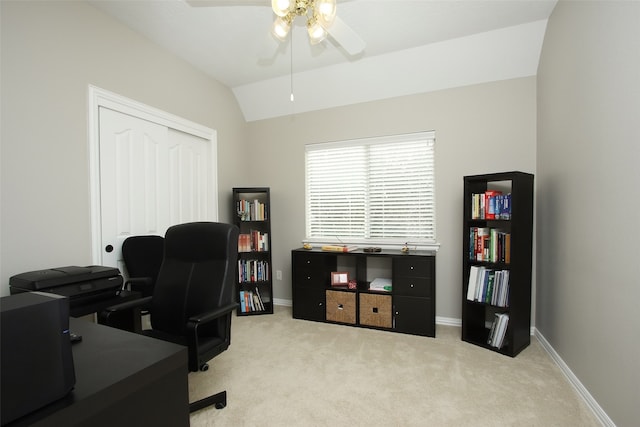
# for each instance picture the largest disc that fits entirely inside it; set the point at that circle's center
(375, 310)
(341, 307)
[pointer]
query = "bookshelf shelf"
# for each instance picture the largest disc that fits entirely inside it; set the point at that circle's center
(254, 286)
(497, 253)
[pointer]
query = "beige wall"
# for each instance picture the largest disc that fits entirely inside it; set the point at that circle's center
(588, 198)
(479, 129)
(51, 52)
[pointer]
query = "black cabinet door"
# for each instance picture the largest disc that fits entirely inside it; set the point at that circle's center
(414, 315)
(311, 277)
(309, 304)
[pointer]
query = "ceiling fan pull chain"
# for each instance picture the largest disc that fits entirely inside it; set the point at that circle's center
(291, 64)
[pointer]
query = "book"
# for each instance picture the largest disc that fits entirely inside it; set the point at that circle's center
(504, 208)
(501, 329)
(482, 285)
(474, 274)
(260, 302)
(243, 307)
(482, 243)
(487, 293)
(339, 248)
(492, 332)
(477, 206)
(507, 248)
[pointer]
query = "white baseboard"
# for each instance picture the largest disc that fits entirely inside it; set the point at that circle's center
(283, 302)
(448, 321)
(575, 382)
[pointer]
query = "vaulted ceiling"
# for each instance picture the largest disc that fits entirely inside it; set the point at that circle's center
(412, 46)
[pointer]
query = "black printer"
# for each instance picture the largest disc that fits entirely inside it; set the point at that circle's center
(82, 285)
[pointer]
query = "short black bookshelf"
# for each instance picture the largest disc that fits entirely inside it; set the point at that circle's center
(497, 261)
(407, 305)
(252, 215)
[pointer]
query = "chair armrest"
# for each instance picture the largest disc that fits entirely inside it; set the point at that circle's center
(128, 305)
(139, 280)
(106, 313)
(208, 316)
(125, 315)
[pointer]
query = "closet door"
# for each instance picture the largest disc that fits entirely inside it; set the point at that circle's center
(151, 177)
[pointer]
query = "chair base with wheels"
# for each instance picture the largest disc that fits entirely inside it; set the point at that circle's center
(218, 400)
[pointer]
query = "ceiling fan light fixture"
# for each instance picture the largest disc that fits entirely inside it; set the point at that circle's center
(282, 7)
(315, 30)
(281, 27)
(325, 11)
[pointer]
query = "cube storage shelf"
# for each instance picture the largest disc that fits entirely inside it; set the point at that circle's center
(408, 308)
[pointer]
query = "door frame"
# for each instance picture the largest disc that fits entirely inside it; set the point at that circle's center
(97, 98)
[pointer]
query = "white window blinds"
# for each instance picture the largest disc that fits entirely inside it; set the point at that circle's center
(372, 190)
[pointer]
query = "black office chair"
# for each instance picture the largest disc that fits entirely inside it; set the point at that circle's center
(193, 298)
(142, 256)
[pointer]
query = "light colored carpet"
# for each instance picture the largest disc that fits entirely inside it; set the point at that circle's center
(280, 371)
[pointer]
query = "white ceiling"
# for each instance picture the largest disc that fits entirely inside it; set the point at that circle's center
(233, 44)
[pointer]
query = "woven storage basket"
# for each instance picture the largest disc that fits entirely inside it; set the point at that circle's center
(341, 307)
(375, 310)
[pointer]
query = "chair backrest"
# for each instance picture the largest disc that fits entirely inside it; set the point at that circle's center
(142, 256)
(197, 273)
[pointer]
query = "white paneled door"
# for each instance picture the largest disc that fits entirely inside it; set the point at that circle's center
(151, 177)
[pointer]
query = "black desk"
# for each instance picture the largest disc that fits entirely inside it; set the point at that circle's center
(122, 379)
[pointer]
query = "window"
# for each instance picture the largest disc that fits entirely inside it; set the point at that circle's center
(375, 190)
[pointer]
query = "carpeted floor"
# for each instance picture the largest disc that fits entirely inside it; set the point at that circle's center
(280, 371)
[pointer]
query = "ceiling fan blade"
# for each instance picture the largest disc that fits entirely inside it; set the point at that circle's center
(346, 37)
(213, 3)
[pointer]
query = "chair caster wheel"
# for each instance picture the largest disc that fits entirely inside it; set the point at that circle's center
(220, 405)
(204, 367)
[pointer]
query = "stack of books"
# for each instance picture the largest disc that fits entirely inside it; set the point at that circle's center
(488, 286)
(251, 210)
(489, 244)
(498, 330)
(255, 241)
(251, 301)
(491, 204)
(252, 270)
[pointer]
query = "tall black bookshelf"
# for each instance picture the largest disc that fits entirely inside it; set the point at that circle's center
(497, 261)
(254, 286)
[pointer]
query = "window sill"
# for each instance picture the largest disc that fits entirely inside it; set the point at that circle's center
(433, 247)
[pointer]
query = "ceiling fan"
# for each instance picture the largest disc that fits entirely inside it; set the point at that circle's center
(321, 17)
